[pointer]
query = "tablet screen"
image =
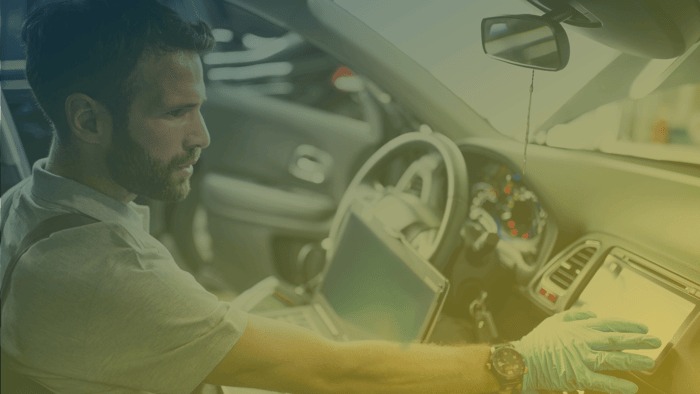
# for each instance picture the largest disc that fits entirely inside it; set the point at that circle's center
(619, 291)
(373, 290)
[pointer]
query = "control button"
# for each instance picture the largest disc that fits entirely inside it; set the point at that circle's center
(543, 291)
(615, 269)
(552, 297)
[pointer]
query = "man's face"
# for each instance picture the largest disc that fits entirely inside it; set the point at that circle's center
(165, 129)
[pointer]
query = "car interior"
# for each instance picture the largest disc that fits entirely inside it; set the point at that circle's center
(533, 172)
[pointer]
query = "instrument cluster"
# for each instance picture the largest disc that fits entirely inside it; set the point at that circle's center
(503, 204)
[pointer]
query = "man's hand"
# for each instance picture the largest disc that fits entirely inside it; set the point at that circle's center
(565, 351)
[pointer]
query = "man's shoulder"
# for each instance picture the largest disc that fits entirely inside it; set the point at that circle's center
(89, 257)
(105, 239)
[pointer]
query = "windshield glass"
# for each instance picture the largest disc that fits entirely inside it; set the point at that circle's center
(444, 37)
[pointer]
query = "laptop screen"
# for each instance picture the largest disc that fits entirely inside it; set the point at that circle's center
(373, 290)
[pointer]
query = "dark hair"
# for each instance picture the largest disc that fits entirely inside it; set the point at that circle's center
(93, 46)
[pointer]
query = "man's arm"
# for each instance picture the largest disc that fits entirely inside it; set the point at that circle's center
(277, 356)
(564, 353)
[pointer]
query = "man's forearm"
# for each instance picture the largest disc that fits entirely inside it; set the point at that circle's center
(384, 367)
(277, 356)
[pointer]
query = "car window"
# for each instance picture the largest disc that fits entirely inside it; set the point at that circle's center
(261, 58)
(444, 37)
(663, 125)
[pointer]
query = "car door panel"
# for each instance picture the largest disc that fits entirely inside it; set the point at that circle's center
(280, 144)
(272, 179)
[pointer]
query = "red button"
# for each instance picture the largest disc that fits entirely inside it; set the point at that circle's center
(543, 291)
(552, 297)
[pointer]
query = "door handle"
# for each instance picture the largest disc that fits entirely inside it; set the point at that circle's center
(310, 164)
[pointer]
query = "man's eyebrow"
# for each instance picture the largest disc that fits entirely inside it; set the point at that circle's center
(187, 105)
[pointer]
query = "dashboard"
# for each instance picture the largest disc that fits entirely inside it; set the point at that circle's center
(569, 265)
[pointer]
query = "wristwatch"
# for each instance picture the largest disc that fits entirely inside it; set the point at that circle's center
(508, 366)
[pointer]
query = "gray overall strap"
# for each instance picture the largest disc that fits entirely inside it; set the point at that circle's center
(42, 231)
(11, 380)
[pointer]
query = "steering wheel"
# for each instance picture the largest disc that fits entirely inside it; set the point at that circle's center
(428, 203)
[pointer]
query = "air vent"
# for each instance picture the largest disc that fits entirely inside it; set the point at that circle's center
(567, 272)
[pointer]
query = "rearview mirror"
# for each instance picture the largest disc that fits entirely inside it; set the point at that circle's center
(526, 40)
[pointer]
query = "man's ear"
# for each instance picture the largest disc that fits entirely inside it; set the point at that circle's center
(89, 121)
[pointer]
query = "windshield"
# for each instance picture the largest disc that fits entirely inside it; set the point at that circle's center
(444, 37)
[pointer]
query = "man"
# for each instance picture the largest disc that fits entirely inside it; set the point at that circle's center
(104, 308)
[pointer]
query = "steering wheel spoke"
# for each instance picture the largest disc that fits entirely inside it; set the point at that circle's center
(369, 193)
(426, 178)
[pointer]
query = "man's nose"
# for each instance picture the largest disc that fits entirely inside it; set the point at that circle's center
(199, 135)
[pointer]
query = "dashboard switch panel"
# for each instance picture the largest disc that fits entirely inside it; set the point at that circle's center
(549, 295)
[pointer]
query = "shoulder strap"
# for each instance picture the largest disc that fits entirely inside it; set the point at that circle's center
(42, 231)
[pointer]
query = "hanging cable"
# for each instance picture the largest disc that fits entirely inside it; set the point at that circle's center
(527, 126)
(195, 10)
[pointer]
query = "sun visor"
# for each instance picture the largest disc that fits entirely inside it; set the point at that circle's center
(659, 29)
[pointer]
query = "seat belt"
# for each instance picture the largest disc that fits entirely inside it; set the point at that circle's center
(13, 382)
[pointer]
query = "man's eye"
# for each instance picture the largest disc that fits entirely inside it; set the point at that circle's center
(177, 112)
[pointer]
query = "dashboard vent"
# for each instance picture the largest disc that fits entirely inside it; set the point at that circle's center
(567, 272)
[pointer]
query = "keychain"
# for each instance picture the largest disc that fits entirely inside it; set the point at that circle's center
(485, 327)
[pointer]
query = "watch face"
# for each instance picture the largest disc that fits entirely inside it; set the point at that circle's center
(508, 363)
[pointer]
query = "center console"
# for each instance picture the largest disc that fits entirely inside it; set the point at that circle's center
(615, 278)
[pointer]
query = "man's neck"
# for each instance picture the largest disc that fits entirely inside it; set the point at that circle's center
(88, 169)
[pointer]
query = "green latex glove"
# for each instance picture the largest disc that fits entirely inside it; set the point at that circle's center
(565, 351)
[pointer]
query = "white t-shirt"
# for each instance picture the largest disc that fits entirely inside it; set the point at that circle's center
(104, 307)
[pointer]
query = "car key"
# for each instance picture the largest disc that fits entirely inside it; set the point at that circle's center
(484, 324)
(486, 331)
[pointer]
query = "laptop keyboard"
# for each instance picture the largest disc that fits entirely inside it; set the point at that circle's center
(299, 318)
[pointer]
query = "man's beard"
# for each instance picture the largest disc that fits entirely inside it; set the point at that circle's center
(134, 169)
